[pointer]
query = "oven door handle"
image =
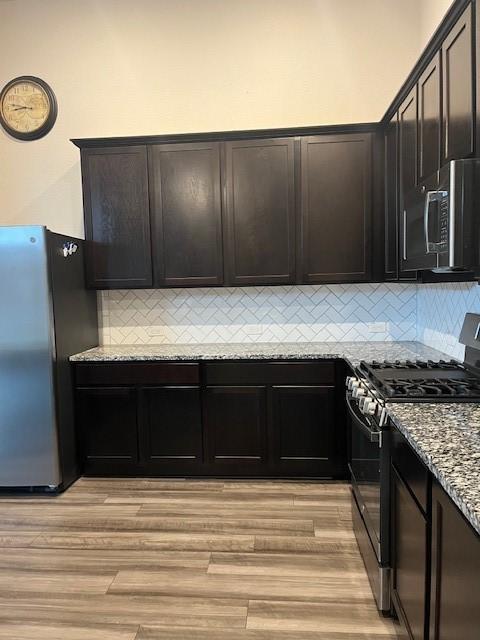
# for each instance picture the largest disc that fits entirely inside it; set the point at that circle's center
(372, 434)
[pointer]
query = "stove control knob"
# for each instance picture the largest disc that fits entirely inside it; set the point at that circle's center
(371, 407)
(364, 403)
(358, 392)
(348, 382)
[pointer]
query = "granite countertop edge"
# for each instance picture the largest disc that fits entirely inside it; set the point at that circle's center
(464, 487)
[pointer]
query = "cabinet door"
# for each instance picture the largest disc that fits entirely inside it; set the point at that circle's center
(407, 143)
(391, 199)
(260, 208)
(458, 82)
(429, 120)
(409, 566)
(407, 171)
(117, 217)
(107, 428)
(171, 428)
(186, 214)
(336, 210)
(302, 430)
(455, 586)
(235, 425)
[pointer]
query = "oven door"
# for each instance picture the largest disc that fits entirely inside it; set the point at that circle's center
(365, 469)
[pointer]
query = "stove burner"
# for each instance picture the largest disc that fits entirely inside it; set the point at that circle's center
(414, 364)
(422, 380)
(431, 387)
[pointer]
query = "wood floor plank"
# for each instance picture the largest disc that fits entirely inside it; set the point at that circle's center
(330, 588)
(114, 485)
(144, 540)
(220, 498)
(292, 544)
(325, 617)
(108, 522)
(21, 582)
(12, 630)
(169, 633)
(101, 561)
(289, 564)
(127, 610)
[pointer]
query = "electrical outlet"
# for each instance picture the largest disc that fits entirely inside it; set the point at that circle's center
(377, 327)
(155, 331)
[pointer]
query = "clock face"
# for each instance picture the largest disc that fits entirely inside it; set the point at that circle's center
(27, 108)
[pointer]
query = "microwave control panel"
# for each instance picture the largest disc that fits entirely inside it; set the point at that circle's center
(443, 225)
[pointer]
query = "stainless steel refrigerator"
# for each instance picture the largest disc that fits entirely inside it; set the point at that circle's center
(46, 315)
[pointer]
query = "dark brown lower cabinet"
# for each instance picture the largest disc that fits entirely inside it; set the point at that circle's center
(170, 429)
(302, 429)
(242, 420)
(235, 422)
(107, 427)
(455, 587)
(409, 559)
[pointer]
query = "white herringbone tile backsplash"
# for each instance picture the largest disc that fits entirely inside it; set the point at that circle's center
(441, 309)
(260, 314)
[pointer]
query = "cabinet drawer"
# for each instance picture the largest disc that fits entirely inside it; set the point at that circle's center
(270, 373)
(137, 373)
(411, 469)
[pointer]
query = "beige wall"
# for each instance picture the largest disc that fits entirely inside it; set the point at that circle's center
(123, 67)
(431, 14)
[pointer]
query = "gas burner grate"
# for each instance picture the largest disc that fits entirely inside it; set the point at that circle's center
(403, 365)
(431, 387)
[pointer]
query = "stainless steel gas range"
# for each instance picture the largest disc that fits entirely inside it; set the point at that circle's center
(368, 391)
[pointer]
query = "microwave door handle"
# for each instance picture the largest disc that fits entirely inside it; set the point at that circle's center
(429, 198)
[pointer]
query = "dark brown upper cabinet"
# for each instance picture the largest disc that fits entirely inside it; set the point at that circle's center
(117, 226)
(407, 169)
(260, 211)
(458, 85)
(429, 119)
(407, 145)
(336, 208)
(186, 214)
(391, 199)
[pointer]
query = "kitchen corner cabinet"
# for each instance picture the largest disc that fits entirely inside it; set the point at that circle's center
(186, 214)
(455, 586)
(117, 217)
(336, 208)
(260, 211)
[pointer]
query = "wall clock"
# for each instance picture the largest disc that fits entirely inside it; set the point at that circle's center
(28, 108)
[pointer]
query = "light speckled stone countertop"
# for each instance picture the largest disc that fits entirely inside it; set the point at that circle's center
(445, 436)
(351, 351)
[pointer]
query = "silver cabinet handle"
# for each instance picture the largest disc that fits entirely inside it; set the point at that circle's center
(404, 234)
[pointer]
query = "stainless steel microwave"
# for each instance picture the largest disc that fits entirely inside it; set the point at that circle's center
(437, 224)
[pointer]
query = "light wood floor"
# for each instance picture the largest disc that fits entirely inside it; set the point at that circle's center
(196, 560)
